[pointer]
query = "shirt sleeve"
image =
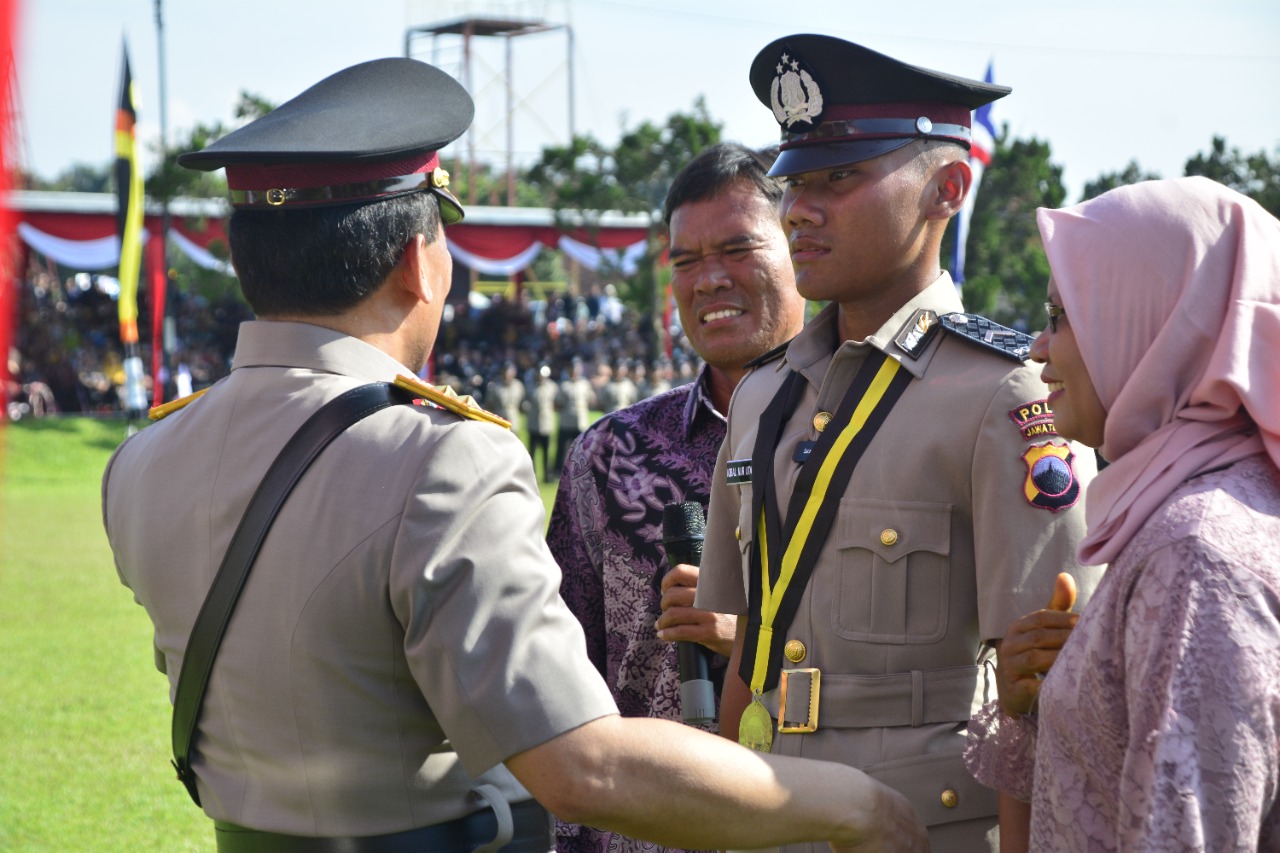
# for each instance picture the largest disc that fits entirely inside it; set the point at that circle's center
(1202, 664)
(721, 586)
(1028, 517)
(493, 648)
(1001, 751)
(574, 539)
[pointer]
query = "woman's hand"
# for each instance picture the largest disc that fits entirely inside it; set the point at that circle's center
(1030, 647)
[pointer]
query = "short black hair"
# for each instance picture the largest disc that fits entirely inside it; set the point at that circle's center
(322, 261)
(718, 166)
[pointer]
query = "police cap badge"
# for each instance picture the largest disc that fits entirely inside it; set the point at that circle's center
(838, 102)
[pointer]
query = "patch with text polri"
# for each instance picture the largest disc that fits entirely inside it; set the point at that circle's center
(1051, 477)
(1034, 419)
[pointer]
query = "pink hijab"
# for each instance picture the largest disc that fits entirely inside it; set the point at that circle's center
(1172, 289)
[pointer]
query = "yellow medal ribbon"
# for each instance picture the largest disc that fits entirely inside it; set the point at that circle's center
(771, 595)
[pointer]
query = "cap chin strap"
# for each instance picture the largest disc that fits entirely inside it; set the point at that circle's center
(378, 189)
(853, 130)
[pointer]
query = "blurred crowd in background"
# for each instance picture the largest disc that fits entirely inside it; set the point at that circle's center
(67, 356)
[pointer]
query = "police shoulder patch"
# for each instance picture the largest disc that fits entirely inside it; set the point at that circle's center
(772, 355)
(1051, 481)
(1034, 419)
(446, 398)
(988, 334)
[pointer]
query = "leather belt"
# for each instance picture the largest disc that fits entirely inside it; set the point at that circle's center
(914, 698)
(534, 833)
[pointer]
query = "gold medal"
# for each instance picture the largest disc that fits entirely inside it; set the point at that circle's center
(755, 729)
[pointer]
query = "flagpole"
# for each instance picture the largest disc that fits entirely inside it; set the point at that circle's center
(162, 338)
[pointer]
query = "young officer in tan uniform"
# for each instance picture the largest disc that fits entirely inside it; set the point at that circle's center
(888, 569)
(400, 672)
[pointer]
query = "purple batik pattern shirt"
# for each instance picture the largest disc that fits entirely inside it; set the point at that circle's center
(606, 533)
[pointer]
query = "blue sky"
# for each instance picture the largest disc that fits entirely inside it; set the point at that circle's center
(1103, 82)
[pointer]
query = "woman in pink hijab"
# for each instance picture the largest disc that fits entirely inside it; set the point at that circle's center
(1158, 726)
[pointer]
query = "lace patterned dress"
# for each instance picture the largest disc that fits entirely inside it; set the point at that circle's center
(1159, 724)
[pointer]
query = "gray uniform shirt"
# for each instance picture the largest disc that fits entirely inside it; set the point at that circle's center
(896, 621)
(401, 633)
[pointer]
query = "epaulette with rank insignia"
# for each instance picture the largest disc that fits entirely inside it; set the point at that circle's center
(447, 398)
(772, 355)
(1001, 339)
(160, 412)
(916, 333)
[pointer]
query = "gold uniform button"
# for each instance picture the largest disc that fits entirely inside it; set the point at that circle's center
(821, 420)
(888, 536)
(795, 651)
(950, 798)
(737, 533)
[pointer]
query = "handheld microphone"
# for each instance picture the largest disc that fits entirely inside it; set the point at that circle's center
(683, 529)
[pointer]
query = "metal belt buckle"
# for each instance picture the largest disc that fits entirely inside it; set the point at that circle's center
(785, 726)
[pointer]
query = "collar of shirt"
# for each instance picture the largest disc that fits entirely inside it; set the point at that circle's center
(812, 349)
(699, 404)
(265, 343)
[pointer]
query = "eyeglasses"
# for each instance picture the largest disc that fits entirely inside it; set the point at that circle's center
(1054, 312)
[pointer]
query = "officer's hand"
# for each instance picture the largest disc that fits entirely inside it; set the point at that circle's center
(894, 829)
(1030, 647)
(680, 620)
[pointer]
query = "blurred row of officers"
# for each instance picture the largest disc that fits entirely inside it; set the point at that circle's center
(893, 495)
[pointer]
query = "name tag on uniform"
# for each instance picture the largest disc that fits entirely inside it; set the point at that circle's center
(737, 472)
(803, 450)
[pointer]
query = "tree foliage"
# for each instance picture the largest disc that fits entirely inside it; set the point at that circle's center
(586, 177)
(169, 180)
(1006, 269)
(1131, 174)
(76, 178)
(583, 180)
(1255, 175)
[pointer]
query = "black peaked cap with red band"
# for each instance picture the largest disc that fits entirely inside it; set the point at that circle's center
(839, 103)
(367, 133)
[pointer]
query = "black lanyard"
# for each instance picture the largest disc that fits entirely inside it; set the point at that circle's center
(791, 551)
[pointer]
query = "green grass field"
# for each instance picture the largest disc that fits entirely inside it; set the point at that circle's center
(84, 743)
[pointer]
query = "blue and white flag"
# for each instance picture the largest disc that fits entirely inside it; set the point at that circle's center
(980, 153)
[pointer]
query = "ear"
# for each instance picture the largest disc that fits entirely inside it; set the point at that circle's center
(951, 184)
(412, 271)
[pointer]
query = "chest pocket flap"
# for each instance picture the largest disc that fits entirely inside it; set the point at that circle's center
(894, 579)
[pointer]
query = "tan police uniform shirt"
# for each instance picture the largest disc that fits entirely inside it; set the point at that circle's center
(936, 548)
(401, 633)
(573, 403)
(542, 408)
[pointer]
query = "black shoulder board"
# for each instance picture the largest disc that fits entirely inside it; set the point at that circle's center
(772, 355)
(1008, 342)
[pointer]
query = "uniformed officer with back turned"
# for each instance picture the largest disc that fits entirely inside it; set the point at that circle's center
(398, 672)
(891, 493)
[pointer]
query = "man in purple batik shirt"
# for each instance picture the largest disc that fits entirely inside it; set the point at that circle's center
(735, 289)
